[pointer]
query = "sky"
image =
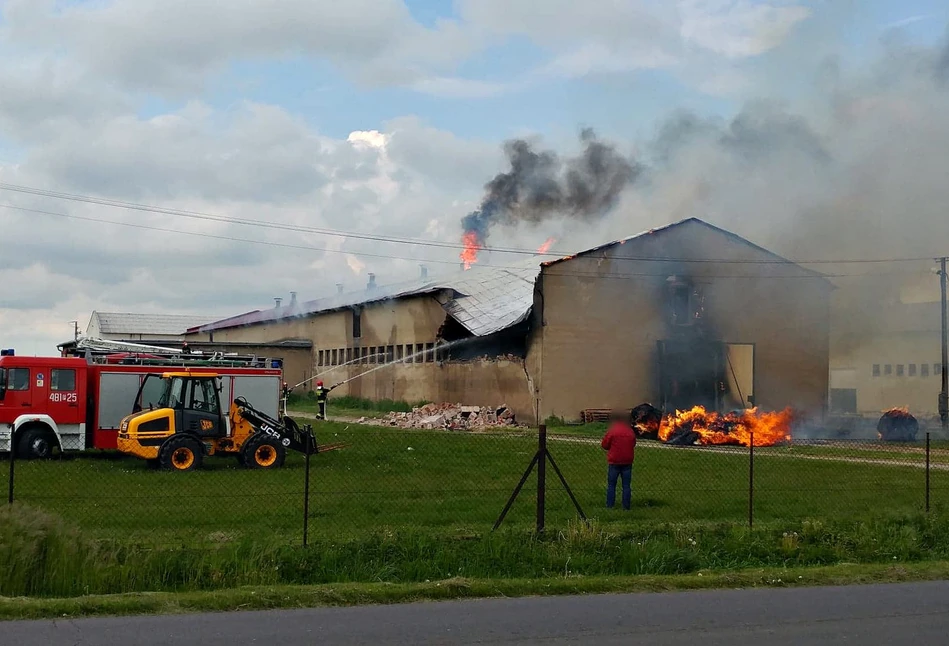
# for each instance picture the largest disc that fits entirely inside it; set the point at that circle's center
(178, 156)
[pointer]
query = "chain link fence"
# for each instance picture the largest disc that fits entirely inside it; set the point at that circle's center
(380, 478)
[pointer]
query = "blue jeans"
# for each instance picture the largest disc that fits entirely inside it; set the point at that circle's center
(612, 475)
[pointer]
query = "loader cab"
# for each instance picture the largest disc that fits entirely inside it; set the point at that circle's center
(194, 401)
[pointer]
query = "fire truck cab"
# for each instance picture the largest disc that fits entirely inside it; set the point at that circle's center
(42, 404)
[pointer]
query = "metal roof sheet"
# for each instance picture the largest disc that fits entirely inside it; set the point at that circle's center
(161, 324)
(484, 299)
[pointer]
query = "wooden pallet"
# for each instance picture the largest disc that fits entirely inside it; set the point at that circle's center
(589, 415)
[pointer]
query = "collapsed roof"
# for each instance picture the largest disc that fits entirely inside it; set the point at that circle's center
(484, 299)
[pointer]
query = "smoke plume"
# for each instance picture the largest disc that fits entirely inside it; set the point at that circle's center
(540, 186)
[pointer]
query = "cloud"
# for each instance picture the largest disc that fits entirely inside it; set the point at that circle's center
(624, 36)
(737, 28)
(173, 46)
(249, 162)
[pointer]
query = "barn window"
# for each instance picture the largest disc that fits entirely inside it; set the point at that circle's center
(399, 352)
(357, 324)
(876, 370)
(937, 369)
(372, 354)
(409, 353)
(888, 370)
(429, 352)
(335, 358)
(349, 355)
(899, 370)
(390, 353)
(319, 361)
(924, 370)
(912, 370)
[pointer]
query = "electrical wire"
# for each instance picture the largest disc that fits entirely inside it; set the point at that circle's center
(198, 215)
(574, 273)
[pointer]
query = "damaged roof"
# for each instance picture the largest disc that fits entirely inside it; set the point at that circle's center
(734, 236)
(483, 299)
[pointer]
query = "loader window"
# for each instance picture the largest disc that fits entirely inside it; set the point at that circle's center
(204, 397)
(172, 395)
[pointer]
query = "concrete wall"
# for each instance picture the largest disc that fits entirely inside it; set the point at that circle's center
(604, 312)
(875, 393)
(396, 329)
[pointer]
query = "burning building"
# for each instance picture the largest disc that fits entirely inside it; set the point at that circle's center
(681, 316)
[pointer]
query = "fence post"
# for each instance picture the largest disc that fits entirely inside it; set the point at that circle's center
(751, 481)
(541, 477)
(11, 469)
(306, 485)
(927, 473)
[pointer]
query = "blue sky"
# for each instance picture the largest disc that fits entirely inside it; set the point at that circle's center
(265, 110)
(631, 104)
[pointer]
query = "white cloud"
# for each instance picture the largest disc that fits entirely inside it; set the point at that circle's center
(252, 161)
(737, 28)
(622, 36)
(172, 46)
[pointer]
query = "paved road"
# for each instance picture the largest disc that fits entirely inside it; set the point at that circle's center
(916, 614)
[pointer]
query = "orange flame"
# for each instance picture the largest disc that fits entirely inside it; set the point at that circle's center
(470, 255)
(544, 248)
(768, 428)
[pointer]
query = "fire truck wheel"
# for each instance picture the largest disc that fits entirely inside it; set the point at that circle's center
(35, 443)
(264, 453)
(180, 453)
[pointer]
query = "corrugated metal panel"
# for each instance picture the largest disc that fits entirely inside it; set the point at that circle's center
(485, 299)
(162, 324)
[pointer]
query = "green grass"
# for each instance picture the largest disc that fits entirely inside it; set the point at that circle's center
(348, 406)
(396, 510)
(307, 596)
(43, 556)
(454, 483)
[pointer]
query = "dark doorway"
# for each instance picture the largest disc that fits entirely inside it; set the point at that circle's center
(692, 372)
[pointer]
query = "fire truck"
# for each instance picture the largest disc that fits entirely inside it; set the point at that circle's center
(76, 402)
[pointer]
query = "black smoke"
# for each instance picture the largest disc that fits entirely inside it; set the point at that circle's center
(540, 185)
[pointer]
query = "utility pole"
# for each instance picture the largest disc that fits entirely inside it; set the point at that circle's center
(944, 393)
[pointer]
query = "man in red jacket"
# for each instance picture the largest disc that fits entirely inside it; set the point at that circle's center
(620, 445)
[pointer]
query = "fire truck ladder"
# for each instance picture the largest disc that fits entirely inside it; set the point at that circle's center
(96, 350)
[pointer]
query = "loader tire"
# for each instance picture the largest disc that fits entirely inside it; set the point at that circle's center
(264, 453)
(180, 453)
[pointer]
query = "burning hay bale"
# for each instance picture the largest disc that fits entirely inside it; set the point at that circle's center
(699, 426)
(897, 425)
(646, 420)
(454, 417)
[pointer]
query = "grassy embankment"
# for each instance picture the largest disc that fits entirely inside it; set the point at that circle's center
(397, 510)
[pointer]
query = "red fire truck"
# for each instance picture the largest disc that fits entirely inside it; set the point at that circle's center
(75, 403)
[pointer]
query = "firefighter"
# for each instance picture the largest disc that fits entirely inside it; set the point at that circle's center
(321, 394)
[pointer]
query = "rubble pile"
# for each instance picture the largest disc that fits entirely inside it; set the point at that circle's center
(452, 417)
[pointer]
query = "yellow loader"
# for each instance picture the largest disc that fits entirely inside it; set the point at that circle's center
(188, 423)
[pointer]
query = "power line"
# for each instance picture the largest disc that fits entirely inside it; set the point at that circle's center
(574, 273)
(198, 215)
